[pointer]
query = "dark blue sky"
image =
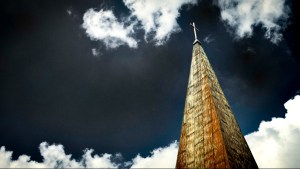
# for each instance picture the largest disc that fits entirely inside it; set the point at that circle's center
(127, 100)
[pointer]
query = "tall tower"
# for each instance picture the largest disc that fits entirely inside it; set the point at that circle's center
(210, 136)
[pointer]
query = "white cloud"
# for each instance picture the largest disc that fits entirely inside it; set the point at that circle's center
(276, 143)
(243, 15)
(208, 39)
(103, 25)
(157, 17)
(95, 52)
(54, 156)
(160, 158)
(69, 12)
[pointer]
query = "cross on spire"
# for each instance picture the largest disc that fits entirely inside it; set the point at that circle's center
(194, 26)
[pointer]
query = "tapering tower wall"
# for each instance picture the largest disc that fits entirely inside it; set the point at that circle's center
(210, 136)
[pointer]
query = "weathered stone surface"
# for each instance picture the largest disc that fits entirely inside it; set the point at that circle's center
(210, 136)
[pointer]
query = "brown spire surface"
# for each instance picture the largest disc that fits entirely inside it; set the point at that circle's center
(210, 136)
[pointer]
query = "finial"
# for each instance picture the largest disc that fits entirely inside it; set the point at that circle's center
(194, 26)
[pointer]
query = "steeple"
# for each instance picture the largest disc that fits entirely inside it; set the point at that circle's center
(210, 135)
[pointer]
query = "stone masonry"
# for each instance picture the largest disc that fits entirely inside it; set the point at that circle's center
(210, 136)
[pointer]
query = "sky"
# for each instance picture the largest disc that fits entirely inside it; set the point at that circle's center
(103, 83)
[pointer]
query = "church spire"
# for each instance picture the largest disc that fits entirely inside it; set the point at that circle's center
(210, 135)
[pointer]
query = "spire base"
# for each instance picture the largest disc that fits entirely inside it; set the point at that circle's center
(196, 41)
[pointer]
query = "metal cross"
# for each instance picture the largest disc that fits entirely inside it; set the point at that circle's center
(193, 25)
